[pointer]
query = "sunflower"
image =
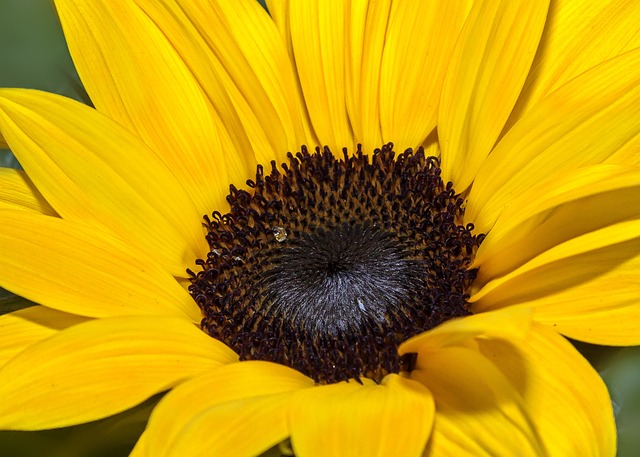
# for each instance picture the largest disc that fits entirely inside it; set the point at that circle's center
(460, 192)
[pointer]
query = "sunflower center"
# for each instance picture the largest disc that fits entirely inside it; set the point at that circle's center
(327, 265)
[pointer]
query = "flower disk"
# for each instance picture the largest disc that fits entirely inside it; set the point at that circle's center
(330, 264)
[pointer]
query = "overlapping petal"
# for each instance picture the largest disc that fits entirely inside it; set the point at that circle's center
(556, 210)
(17, 192)
(583, 122)
(478, 410)
(505, 385)
(485, 75)
(279, 13)
(246, 52)
(93, 171)
(137, 76)
(578, 35)
(22, 328)
(392, 418)
(572, 418)
(101, 367)
(479, 413)
(235, 410)
(586, 287)
(418, 46)
(81, 270)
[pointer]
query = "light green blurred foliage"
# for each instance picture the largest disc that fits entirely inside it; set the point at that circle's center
(33, 52)
(621, 373)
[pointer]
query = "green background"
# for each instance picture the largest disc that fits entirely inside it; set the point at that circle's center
(33, 54)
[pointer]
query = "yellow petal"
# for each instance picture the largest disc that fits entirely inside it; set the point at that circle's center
(418, 44)
(586, 287)
(20, 329)
(556, 210)
(578, 35)
(628, 153)
(77, 269)
(223, 407)
(478, 410)
(279, 12)
(318, 29)
(141, 447)
(365, 35)
(505, 324)
(565, 396)
(235, 147)
(17, 192)
(488, 68)
(244, 71)
(92, 170)
(102, 367)
(244, 428)
(581, 123)
(431, 145)
(393, 418)
(249, 57)
(135, 75)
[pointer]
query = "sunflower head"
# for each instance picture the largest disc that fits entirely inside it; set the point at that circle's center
(362, 265)
(330, 263)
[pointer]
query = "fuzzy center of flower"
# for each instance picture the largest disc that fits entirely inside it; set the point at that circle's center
(327, 265)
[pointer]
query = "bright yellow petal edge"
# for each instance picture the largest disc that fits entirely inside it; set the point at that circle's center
(521, 367)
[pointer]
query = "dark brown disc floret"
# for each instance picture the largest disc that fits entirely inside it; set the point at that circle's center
(327, 264)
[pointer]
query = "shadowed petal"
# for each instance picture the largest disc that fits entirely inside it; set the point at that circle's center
(478, 411)
(573, 418)
(20, 329)
(498, 394)
(17, 192)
